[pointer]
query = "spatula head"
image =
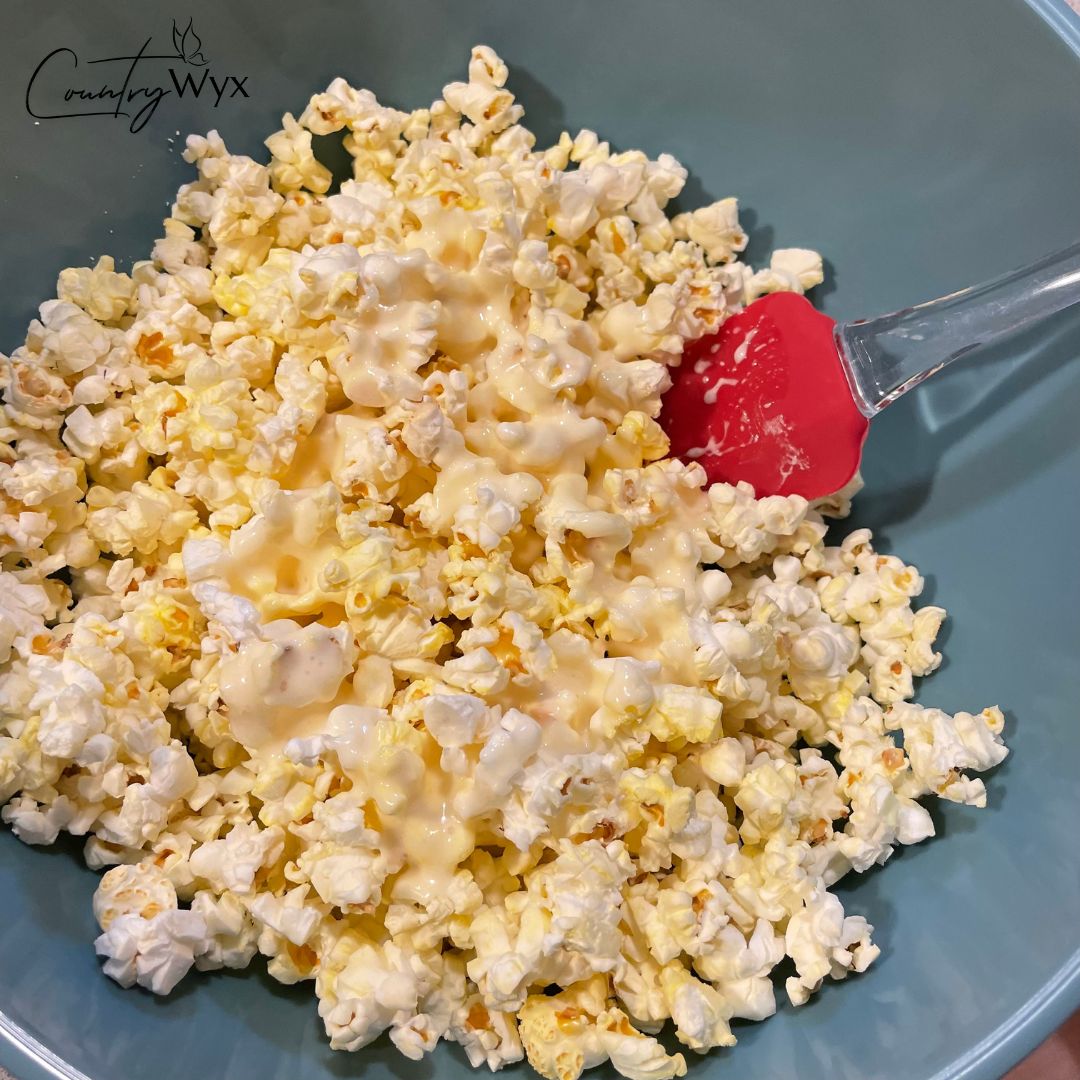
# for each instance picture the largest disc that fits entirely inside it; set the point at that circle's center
(765, 399)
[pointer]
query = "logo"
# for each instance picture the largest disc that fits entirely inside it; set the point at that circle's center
(132, 87)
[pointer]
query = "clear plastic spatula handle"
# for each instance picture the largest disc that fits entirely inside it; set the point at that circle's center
(887, 356)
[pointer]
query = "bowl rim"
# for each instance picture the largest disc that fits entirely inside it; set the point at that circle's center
(1005, 1046)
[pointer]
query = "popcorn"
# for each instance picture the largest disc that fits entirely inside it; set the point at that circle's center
(231, 935)
(790, 270)
(346, 877)
(699, 1011)
(939, 746)
(360, 996)
(582, 887)
(295, 165)
(34, 825)
(138, 520)
(563, 1037)
(288, 914)
(822, 941)
(715, 228)
(73, 340)
(140, 818)
(172, 773)
(140, 889)
(155, 953)
(352, 610)
(23, 608)
(101, 292)
(232, 862)
(488, 1038)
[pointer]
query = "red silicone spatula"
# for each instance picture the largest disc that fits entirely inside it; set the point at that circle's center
(782, 396)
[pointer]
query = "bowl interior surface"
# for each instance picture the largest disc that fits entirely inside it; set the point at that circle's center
(921, 147)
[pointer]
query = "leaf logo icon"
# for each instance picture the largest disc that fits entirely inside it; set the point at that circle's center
(188, 44)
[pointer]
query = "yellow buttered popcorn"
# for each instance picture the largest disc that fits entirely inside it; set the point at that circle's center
(352, 610)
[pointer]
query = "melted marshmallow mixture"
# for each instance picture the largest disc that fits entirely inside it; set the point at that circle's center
(353, 613)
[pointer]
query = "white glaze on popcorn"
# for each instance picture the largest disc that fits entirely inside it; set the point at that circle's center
(283, 687)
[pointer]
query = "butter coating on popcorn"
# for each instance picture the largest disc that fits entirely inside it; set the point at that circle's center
(352, 611)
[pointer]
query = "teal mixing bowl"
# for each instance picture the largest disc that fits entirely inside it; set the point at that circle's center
(921, 145)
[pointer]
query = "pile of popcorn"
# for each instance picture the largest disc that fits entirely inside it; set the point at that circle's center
(353, 613)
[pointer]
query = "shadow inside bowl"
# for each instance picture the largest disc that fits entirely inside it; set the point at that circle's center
(934, 419)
